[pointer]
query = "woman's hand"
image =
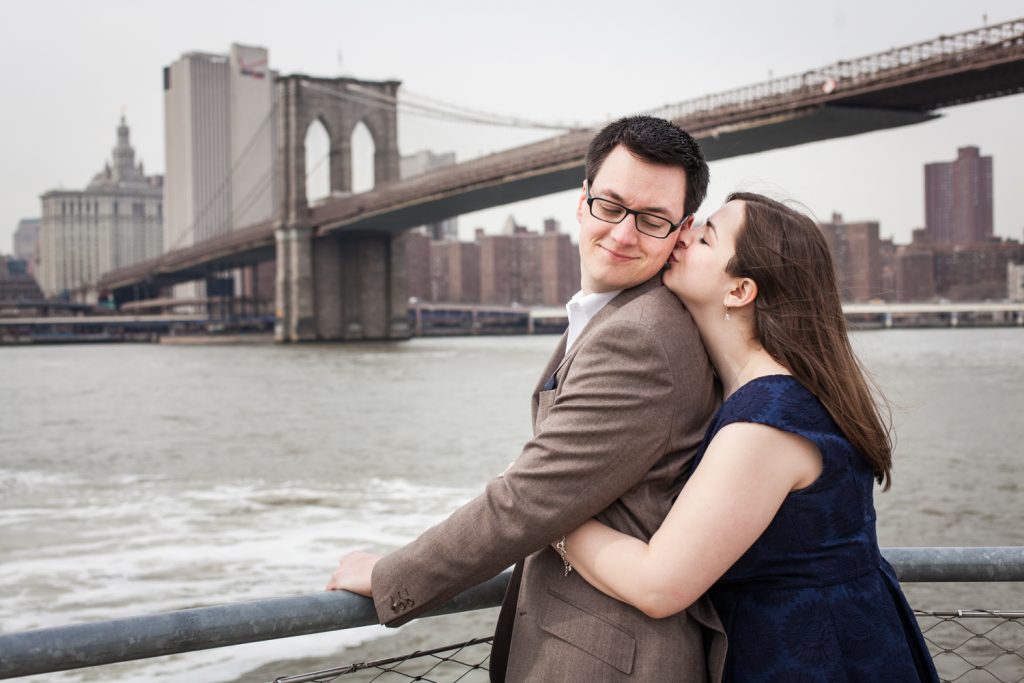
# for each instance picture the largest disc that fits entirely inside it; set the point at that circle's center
(353, 573)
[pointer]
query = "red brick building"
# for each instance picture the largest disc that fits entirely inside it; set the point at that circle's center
(855, 251)
(958, 199)
(516, 267)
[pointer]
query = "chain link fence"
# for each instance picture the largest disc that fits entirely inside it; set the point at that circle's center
(462, 663)
(968, 646)
(975, 645)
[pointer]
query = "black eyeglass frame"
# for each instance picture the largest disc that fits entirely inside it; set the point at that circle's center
(636, 214)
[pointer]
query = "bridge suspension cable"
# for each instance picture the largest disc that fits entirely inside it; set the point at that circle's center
(222, 188)
(420, 105)
(425, 107)
(249, 200)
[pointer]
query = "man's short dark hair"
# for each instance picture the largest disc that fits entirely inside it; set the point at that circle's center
(659, 142)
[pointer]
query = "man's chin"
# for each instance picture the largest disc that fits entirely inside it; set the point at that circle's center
(611, 280)
(630, 283)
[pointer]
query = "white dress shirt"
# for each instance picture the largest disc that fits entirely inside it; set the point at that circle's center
(582, 308)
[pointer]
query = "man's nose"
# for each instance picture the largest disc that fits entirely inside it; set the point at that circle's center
(625, 231)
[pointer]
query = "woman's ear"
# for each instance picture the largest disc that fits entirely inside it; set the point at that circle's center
(743, 292)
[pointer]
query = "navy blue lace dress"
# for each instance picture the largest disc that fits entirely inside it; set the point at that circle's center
(813, 599)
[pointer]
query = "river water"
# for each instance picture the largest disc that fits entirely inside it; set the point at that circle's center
(145, 478)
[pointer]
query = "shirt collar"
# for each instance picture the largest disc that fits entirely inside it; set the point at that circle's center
(582, 308)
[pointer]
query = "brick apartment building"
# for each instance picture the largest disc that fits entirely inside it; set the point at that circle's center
(856, 252)
(518, 266)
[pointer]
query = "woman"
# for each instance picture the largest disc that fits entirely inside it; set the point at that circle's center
(777, 519)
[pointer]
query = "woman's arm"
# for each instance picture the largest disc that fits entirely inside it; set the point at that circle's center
(730, 500)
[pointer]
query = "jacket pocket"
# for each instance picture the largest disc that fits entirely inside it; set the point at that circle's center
(590, 632)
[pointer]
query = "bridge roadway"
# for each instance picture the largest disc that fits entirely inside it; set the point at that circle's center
(899, 87)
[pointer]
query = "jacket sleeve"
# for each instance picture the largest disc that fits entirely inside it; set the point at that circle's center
(609, 424)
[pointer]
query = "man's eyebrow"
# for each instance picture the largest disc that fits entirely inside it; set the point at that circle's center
(612, 194)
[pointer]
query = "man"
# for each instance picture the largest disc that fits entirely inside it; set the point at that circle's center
(618, 413)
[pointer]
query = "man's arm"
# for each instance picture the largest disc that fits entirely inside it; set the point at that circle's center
(610, 423)
(726, 505)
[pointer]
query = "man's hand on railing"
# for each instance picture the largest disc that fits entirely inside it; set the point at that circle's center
(353, 573)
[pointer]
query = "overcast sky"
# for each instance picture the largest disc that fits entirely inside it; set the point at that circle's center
(70, 68)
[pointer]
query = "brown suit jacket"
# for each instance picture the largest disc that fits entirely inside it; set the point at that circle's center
(613, 440)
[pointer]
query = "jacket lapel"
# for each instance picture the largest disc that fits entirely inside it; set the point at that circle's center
(615, 304)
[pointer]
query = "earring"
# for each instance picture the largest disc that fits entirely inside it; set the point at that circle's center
(727, 313)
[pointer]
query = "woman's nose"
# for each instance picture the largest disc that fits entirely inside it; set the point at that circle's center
(687, 236)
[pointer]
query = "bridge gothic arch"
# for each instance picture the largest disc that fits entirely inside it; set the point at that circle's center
(363, 155)
(342, 286)
(317, 143)
(339, 104)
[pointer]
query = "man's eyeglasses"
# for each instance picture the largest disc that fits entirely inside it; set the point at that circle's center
(647, 223)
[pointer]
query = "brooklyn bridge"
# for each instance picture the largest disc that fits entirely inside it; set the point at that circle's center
(340, 267)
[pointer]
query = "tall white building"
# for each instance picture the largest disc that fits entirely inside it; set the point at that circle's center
(219, 138)
(115, 222)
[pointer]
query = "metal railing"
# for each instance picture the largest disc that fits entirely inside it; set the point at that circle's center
(82, 645)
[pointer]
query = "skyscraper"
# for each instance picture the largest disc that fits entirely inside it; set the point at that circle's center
(958, 199)
(115, 222)
(219, 139)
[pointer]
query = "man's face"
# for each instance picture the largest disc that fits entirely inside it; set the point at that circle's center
(618, 256)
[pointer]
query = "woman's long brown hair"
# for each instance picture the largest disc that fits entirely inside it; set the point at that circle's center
(798, 319)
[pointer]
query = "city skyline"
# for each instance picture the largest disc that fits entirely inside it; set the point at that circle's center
(875, 176)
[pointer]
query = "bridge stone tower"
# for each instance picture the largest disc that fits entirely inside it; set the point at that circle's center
(346, 286)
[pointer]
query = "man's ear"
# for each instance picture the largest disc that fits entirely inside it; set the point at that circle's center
(742, 293)
(581, 202)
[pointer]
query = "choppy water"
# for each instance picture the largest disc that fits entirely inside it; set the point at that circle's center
(142, 478)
